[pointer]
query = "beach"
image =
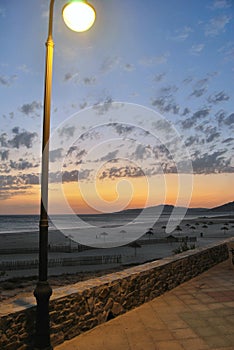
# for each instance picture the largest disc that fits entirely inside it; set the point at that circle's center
(22, 246)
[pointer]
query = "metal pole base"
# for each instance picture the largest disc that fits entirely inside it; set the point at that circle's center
(42, 294)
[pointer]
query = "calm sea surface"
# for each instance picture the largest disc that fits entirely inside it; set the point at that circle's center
(29, 223)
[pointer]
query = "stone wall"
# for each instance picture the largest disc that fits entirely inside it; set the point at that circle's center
(79, 307)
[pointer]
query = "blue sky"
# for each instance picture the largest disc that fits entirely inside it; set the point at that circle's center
(174, 57)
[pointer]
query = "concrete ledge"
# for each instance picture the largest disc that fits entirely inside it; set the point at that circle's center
(79, 307)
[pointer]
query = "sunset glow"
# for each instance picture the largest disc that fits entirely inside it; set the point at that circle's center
(132, 106)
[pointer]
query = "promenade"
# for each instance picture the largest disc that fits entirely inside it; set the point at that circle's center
(197, 315)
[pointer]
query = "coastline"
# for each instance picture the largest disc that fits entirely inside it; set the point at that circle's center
(205, 229)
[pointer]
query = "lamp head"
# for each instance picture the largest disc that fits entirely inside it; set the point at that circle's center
(79, 15)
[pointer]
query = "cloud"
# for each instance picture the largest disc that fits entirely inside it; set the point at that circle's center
(228, 51)
(67, 132)
(89, 80)
(220, 4)
(56, 154)
(159, 77)
(22, 164)
(7, 81)
(190, 122)
(83, 105)
(76, 150)
(122, 129)
(31, 108)
(198, 92)
(191, 140)
(4, 155)
(166, 90)
(15, 130)
(71, 76)
(196, 49)
(217, 25)
(103, 107)
(109, 64)
(185, 111)
(218, 97)
(223, 119)
(121, 172)
(141, 152)
(3, 140)
(154, 60)
(23, 68)
(2, 12)
(182, 34)
(109, 156)
(12, 185)
(128, 67)
(23, 138)
(200, 87)
(228, 140)
(211, 134)
(75, 175)
(166, 104)
(212, 163)
(220, 116)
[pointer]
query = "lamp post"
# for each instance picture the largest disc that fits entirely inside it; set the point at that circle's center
(78, 16)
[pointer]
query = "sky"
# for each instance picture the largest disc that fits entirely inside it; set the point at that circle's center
(142, 106)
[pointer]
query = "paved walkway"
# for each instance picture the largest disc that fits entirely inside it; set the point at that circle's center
(197, 315)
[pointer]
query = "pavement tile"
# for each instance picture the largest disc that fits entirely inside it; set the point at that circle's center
(177, 325)
(225, 328)
(197, 315)
(214, 306)
(169, 345)
(230, 337)
(198, 307)
(228, 311)
(207, 331)
(162, 335)
(194, 344)
(217, 341)
(184, 333)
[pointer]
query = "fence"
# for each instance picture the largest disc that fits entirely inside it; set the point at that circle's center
(85, 260)
(169, 239)
(51, 248)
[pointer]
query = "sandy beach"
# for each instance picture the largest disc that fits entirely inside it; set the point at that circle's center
(204, 230)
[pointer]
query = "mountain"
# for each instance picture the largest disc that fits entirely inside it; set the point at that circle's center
(227, 207)
(167, 209)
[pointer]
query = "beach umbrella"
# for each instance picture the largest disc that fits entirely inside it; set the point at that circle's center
(135, 245)
(178, 228)
(104, 234)
(149, 232)
(204, 226)
(224, 228)
(123, 232)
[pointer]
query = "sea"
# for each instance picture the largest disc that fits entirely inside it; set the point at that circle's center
(103, 230)
(29, 223)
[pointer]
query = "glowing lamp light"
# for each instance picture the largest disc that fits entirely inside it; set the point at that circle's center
(79, 15)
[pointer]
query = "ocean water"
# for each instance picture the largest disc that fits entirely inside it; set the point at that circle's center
(102, 231)
(98, 231)
(29, 223)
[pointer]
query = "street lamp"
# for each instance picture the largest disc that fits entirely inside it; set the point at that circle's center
(79, 16)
